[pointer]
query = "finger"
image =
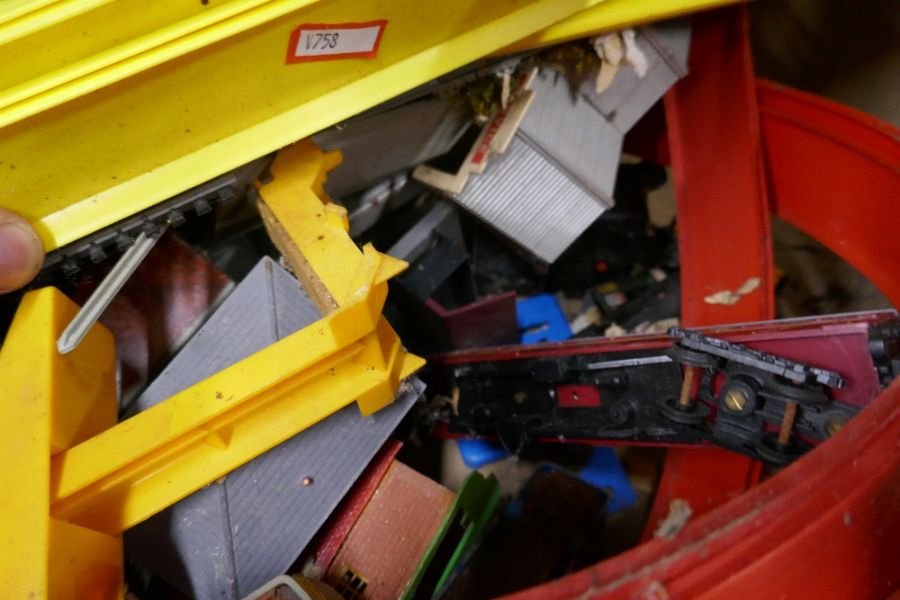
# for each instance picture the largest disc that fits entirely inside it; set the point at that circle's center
(21, 251)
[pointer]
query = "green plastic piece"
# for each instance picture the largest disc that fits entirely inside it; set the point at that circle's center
(470, 514)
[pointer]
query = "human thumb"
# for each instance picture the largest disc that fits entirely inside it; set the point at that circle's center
(21, 251)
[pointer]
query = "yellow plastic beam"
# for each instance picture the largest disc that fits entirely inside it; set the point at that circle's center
(95, 160)
(76, 480)
(73, 50)
(175, 93)
(610, 16)
(132, 471)
(69, 58)
(19, 18)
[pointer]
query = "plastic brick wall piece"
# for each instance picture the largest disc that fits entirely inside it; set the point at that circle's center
(392, 534)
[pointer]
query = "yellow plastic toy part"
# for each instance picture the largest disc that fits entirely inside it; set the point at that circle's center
(50, 402)
(162, 96)
(79, 46)
(106, 155)
(312, 235)
(76, 481)
(21, 17)
(610, 15)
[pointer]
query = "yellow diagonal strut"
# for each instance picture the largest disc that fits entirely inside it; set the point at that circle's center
(87, 479)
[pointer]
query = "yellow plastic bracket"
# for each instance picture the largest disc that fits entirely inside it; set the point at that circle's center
(50, 402)
(311, 231)
(76, 480)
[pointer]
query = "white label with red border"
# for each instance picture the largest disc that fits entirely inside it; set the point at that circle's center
(323, 41)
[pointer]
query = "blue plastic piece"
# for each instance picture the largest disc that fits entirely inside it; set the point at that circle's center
(477, 453)
(541, 319)
(605, 472)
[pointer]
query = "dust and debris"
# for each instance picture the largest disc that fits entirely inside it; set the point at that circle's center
(610, 49)
(405, 387)
(454, 400)
(661, 326)
(642, 328)
(655, 590)
(615, 330)
(614, 50)
(591, 591)
(311, 570)
(505, 74)
(589, 317)
(219, 395)
(283, 263)
(749, 285)
(728, 298)
(679, 513)
(634, 55)
(848, 518)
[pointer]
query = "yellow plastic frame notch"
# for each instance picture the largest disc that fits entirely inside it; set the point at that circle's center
(96, 478)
